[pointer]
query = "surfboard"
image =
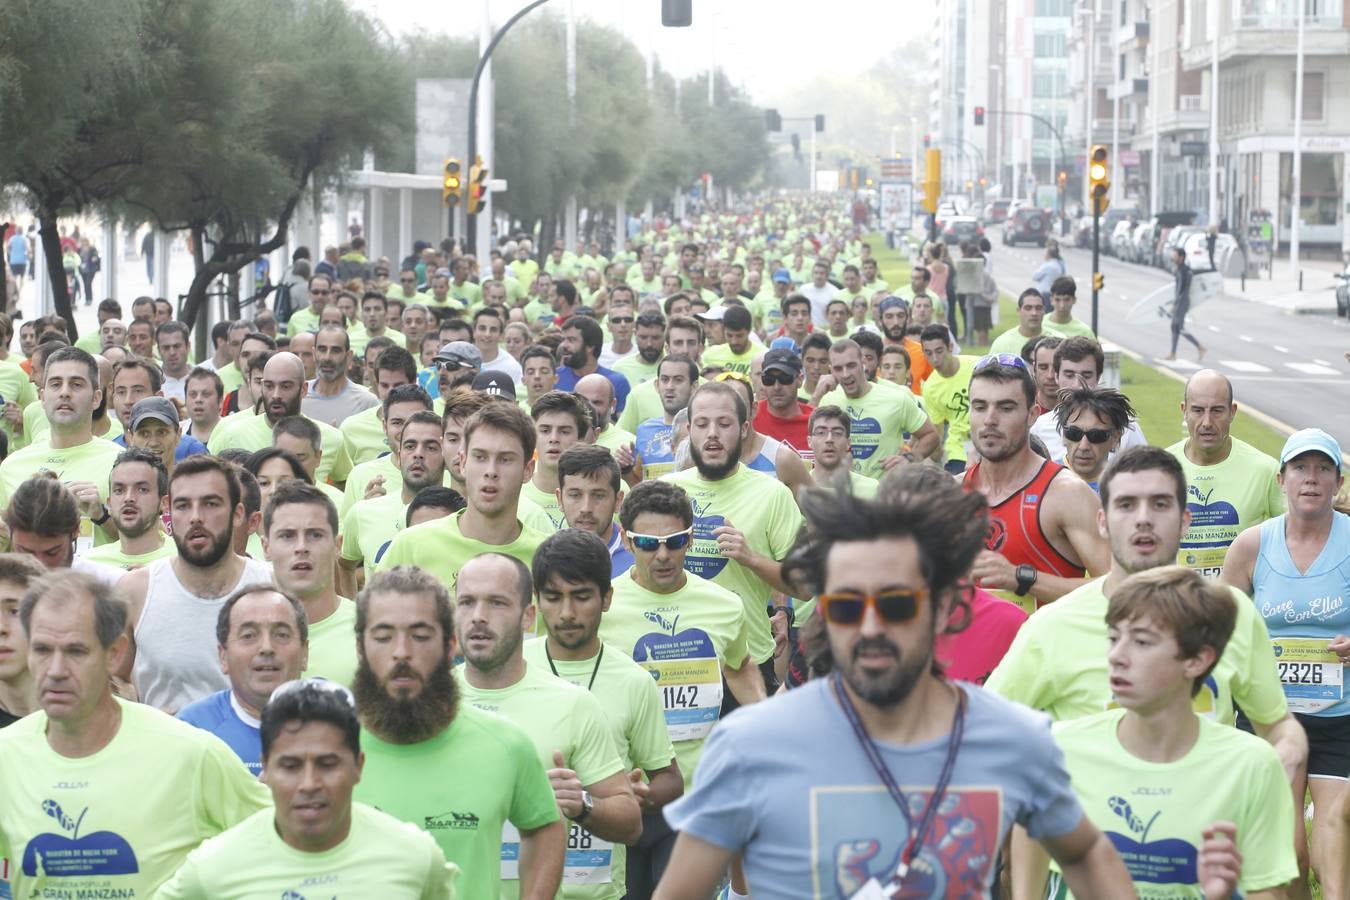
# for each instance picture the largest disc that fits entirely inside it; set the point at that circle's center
(1157, 306)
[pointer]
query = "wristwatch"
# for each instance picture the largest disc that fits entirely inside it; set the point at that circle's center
(587, 804)
(791, 613)
(107, 514)
(1026, 577)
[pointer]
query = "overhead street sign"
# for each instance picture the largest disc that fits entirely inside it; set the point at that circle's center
(899, 168)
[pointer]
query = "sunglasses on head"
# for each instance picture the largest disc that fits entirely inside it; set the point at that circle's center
(769, 379)
(1001, 359)
(1073, 434)
(650, 543)
(317, 683)
(893, 606)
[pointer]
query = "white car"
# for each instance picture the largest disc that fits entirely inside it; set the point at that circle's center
(1197, 250)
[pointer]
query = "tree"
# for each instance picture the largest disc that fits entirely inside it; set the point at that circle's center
(76, 79)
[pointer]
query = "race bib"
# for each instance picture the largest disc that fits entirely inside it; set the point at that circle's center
(1313, 676)
(691, 695)
(587, 860)
(1208, 561)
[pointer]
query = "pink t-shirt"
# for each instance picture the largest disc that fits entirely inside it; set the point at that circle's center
(971, 655)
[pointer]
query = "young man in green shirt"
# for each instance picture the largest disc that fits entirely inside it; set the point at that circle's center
(571, 573)
(138, 488)
(314, 833)
(946, 393)
(1060, 320)
(493, 611)
(486, 769)
(1189, 804)
(561, 419)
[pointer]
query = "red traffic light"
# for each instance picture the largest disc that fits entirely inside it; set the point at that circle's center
(979, 115)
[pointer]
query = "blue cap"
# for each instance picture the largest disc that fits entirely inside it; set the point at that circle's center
(893, 303)
(783, 276)
(786, 343)
(1307, 439)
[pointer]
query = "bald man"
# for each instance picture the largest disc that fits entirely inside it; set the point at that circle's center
(283, 386)
(302, 345)
(1230, 485)
(597, 390)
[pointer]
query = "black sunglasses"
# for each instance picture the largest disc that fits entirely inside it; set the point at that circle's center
(1073, 434)
(621, 320)
(769, 379)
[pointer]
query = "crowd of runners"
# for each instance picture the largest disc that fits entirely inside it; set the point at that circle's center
(449, 577)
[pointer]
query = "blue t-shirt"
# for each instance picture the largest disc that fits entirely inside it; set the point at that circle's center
(653, 442)
(218, 714)
(817, 822)
(18, 249)
(187, 446)
(620, 560)
(567, 381)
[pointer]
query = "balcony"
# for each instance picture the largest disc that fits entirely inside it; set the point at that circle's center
(1128, 88)
(1126, 35)
(1259, 39)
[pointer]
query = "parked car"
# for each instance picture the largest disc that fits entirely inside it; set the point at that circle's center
(1119, 244)
(1343, 293)
(1027, 225)
(961, 228)
(1167, 221)
(996, 212)
(1142, 240)
(1197, 250)
(1177, 238)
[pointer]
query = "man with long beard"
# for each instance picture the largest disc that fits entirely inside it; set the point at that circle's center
(744, 521)
(494, 608)
(486, 770)
(173, 602)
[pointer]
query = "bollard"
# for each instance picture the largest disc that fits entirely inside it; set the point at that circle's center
(1300, 281)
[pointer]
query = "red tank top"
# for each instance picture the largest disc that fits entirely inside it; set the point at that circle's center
(1015, 525)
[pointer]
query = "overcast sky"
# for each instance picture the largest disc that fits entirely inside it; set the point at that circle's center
(766, 46)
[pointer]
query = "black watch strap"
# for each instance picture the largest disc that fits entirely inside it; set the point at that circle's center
(107, 514)
(1026, 577)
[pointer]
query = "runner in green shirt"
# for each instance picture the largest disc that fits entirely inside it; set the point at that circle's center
(398, 406)
(561, 419)
(946, 393)
(684, 337)
(307, 319)
(497, 459)
(1060, 321)
(314, 834)
(885, 418)
(364, 436)
(137, 490)
(1230, 485)
(1176, 792)
(486, 770)
(493, 608)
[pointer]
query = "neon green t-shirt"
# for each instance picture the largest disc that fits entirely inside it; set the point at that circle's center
(380, 857)
(723, 356)
(632, 707)
(1057, 663)
(636, 371)
(255, 432)
(1072, 328)
(36, 428)
(642, 404)
(369, 526)
(1011, 341)
(362, 474)
(558, 716)
(683, 639)
(468, 294)
(16, 387)
(113, 823)
(90, 461)
(649, 287)
(527, 270)
(947, 401)
(110, 554)
(332, 644)
(301, 321)
(363, 436)
(230, 376)
(1155, 814)
(439, 547)
(614, 437)
(879, 422)
(546, 501)
(764, 510)
(1224, 499)
(769, 307)
(486, 774)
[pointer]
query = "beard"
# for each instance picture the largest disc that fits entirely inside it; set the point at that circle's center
(214, 552)
(887, 688)
(140, 526)
(717, 471)
(896, 333)
(1011, 448)
(405, 720)
(576, 360)
(649, 354)
(292, 409)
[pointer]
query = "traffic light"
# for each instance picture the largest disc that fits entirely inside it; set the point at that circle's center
(677, 13)
(773, 121)
(927, 139)
(1099, 175)
(820, 123)
(979, 115)
(932, 180)
(478, 175)
(1098, 281)
(451, 186)
(1062, 178)
(796, 145)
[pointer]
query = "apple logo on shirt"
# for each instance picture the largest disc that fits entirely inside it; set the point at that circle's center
(1205, 514)
(98, 854)
(869, 427)
(705, 558)
(1165, 861)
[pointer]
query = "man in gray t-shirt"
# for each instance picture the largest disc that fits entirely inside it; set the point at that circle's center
(332, 397)
(826, 792)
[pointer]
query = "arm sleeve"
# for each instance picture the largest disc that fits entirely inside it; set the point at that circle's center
(532, 802)
(1258, 690)
(227, 792)
(1051, 807)
(1263, 835)
(439, 883)
(186, 883)
(720, 808)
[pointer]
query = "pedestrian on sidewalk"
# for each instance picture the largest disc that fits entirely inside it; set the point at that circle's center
(1181, 305)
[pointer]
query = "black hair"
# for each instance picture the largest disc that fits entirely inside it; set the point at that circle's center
(660, 497)
(588, 461)
(736, 318)
(1003, 374)
(300, 427)
(567, 403)
(592, 336)
(436, 497)
(258, 457)
(289, 492)
(575, 556)
(311, 703)
(204, 462)
(1143, 459)
(141, 455)
(935, 332)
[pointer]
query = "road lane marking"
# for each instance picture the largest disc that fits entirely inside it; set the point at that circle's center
(1243, 337)
(1213, 328)
(1321, 362)
(1312, 369)
(1183, 364)
(1242, 365)
(1279, 348)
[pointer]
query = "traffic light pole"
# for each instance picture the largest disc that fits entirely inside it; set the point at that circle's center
(1059, 213)
(1096, 258)
(471, 222)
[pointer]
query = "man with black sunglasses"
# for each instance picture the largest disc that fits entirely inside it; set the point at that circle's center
(780, 415)
(1091, 421)
(1074, 362)
(900, 783)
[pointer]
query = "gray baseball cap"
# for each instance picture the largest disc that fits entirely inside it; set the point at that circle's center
(461, 353)
(157, 408)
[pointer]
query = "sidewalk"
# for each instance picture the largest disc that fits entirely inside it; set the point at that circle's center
(1318, 296)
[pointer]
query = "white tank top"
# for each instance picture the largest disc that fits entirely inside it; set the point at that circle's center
(176, 657)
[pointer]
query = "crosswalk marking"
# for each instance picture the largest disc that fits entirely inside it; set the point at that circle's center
(1311, 368)
(1246, 338)
(1279, 348)
(1242, 365)
(1213, 328)
(1184, 365)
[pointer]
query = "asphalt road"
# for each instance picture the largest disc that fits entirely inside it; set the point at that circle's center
(1292, 368)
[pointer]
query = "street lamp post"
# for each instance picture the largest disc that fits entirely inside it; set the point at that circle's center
(1214, 112)
(1296, 201)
